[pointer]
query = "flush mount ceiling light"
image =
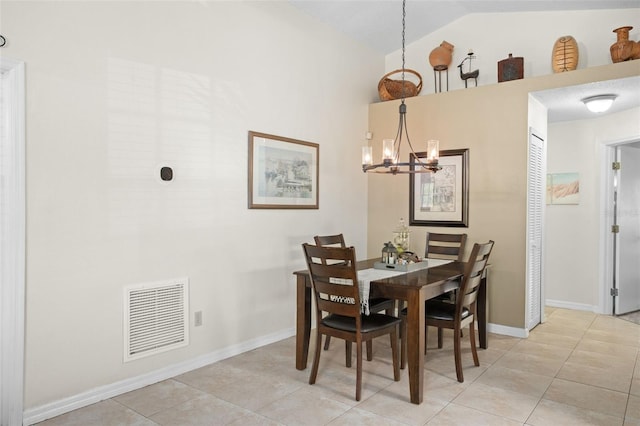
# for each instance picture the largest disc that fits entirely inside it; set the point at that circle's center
(391, 147)
(599, 103)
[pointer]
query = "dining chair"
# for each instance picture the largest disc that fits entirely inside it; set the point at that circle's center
(445, 247)
(334, 281)
(376, 304)
(455, 316)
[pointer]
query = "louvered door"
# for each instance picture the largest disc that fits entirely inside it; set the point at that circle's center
(535, 215)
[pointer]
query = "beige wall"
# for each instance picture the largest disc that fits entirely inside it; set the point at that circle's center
(493, 122)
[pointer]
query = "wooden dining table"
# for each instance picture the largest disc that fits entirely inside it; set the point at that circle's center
(412, 287)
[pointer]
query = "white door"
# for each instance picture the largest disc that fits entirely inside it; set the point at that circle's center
(627, 240)
(535, 216)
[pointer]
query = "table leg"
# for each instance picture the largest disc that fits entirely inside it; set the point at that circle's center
(481, 312)
(303, 321)
(415, 345)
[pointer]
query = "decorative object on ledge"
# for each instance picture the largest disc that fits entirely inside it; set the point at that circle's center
(391, 148)
(511, 68)
(283, 172)
(440, 59)
(442, 199)
(390, 90)
(599, 103)
(624, 49)
(471, 74)
(565, 54)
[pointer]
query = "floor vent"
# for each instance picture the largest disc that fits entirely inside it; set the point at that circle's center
(156, 318)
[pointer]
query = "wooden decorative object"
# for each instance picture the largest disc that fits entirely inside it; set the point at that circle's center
(565, 54)
(624, 49)
(389, 89)
(510, 68)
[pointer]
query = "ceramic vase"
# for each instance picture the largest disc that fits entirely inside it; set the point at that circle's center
(440, 57)
(565, 54)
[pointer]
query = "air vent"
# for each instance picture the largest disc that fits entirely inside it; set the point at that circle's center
(156, 318)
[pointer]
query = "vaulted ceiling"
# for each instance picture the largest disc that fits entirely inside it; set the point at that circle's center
(377, 23)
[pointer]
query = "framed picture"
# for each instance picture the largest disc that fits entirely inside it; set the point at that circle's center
(283, 173)
(563, 188)
(441, 198)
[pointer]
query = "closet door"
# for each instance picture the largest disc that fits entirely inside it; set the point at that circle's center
(535, 218)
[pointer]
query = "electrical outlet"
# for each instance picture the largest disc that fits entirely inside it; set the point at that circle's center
(198, 318)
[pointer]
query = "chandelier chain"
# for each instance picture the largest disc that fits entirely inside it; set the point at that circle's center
(404, 14)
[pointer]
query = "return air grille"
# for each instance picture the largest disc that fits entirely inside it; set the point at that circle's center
(156, 318)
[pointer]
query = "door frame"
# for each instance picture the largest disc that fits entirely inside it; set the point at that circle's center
(608, 155)
(13, 255)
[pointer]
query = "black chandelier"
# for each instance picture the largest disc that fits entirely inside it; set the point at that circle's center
(391, 147)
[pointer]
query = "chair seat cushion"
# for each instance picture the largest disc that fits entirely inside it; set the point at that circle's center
(369, 322)
(440, 310)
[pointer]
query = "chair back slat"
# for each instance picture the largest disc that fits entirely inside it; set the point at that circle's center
(339, 308)
(445, 246)
(334, 280)
(330, 240)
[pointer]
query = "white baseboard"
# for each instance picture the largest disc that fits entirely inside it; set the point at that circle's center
(508, 331)
(572, 305)
(56, 408)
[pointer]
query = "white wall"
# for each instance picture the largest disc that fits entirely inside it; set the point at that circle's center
(530, 35)
(573, 243)
(117, 89)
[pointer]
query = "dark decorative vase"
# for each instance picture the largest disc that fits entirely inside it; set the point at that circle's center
(622, 49)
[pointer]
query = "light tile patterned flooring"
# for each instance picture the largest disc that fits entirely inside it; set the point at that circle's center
(577, 368)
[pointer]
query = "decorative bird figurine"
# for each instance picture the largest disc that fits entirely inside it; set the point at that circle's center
(471, 74)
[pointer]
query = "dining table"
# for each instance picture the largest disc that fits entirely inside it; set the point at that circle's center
(414, 288)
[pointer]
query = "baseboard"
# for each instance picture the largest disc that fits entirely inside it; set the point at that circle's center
(56, 408)
(508, 331)
(571, 305)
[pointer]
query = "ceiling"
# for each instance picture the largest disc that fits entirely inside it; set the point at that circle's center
(564, 103)
(377, 23)
(372, 23)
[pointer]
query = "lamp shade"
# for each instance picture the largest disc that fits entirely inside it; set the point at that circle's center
(599, 103)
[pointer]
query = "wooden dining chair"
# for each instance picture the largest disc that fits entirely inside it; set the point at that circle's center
(376, 304)
(458, 315)
(445, 246)
(334, 281)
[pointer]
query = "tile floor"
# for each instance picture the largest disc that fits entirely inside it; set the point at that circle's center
(577, 368)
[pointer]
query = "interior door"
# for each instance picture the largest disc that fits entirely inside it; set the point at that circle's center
(536, 183)
(627, 239)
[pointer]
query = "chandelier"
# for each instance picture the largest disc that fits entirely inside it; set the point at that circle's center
(391, 148)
